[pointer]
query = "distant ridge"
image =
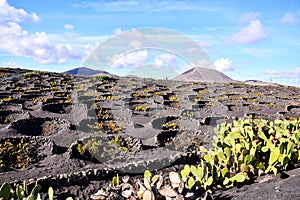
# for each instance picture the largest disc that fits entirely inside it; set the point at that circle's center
(199, 74)
(85, 71)
(258, 82)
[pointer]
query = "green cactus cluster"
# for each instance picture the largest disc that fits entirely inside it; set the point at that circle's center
(254, 147)
(244, 150)
(21, 192)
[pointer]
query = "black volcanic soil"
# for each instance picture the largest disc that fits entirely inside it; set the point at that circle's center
(160, 123)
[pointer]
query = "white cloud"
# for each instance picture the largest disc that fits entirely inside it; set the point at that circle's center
(19, 42)
(88, 49)
(272, 72)
(252, 33)
(131, 60)
(291, 74)
(224, 64)
(248, 17)
(166, 59)
(68, 26)
(118, 31)
(289, 19)
(136, 44)
(9, 13)
(10, 64)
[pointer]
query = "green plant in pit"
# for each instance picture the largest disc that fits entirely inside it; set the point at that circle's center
(252, 100)
(99, 98)
(121, 142)
(138, 94)
(53, 83)
(81, 148)
(14, 154)
(30, 74)
(188, 113)
(89, 94)
(158, 93)
(109, 127)
(113, 98)
(223, 92)
(174, 98)
(63, 94)
(9, 98)
(212, 103)
(197, 99)
(141, 108)
(172, 126)
(237, 97)
(202, 91)
(253, 107)
(104, 114)
(97, 149)
(102, 78)
(94, 106)
(271, 105)
(7, 120)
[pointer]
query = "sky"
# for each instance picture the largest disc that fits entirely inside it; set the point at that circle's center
(246, 40)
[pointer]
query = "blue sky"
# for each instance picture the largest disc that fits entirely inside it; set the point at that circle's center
(244, 39)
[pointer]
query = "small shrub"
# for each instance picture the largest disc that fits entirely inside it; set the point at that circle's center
(141, 108)
(174, 98)
(14, 154)
(108, 127)
(168, 126)
(188, 113)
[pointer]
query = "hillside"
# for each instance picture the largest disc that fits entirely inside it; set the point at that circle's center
(85, 71)
(198, 74)
(76, 133)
